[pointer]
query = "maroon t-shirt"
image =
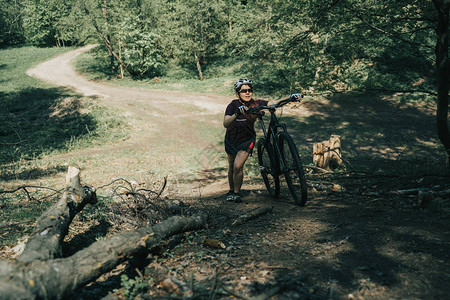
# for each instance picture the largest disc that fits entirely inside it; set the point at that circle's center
(243, 129)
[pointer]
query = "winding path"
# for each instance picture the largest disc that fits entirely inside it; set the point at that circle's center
(59, 71)
(164, 116)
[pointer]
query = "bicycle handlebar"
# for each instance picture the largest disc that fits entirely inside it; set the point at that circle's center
(292, 98)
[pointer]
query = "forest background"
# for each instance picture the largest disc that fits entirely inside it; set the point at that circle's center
(288, 46)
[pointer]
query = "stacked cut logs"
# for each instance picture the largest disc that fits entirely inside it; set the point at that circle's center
(327, 154)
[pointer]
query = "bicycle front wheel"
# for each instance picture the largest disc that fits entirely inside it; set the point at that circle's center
(293, 169)
(267, 166)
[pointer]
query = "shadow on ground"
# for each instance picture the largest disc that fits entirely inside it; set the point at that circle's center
(372, 128)
(365, 240)
(36, 121)
(372, 244)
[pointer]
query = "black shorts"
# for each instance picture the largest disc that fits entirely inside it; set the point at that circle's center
(233, 149)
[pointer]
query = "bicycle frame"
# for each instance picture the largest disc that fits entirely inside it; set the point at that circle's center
(272, 133)
(282, 153)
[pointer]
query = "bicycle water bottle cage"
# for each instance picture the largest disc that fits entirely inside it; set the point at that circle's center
(261, 114)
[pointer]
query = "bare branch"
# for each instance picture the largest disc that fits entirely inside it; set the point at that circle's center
(16, 143)
(29, 186)
(403, 91)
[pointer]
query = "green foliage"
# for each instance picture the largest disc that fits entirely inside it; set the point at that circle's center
(127, 34)
(11, 31)
(378, 45)
(133, 287)
(43, 22)
(284, 46)
(140, 46)
(196, 29)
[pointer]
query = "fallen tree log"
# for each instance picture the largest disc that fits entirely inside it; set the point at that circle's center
(242, 218)
(44, 275)
(45, 241)
(58, 278)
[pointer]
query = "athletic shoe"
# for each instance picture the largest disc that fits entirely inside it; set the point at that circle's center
(230, 196)
(237, 198)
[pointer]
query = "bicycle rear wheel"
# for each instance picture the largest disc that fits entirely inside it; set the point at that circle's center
(295, 176)
(266, 160)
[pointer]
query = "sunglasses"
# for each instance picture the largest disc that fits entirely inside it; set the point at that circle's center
(246, 91)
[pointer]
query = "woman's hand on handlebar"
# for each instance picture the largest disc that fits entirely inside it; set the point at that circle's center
(295, 97)
(241, 109)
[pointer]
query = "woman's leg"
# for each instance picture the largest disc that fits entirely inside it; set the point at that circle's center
(238, 170)
(231, 159)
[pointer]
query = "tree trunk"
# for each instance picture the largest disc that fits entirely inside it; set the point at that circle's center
(108, 36)
(46, 239)
(120, 55)
(59, 278)
(199, 67)
(443, 71)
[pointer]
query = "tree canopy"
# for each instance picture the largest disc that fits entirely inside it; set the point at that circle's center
(337, 45)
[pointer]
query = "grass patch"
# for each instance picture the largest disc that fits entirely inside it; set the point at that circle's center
(14, 62)
(38, 120)
(19, 214)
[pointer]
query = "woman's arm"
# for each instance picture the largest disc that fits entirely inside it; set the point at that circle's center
(228, 120)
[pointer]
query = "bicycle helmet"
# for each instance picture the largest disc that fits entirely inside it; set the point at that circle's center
(241, 82)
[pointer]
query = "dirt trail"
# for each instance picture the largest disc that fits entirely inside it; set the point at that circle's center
(360, 242)
(141, 102)
(166, 115)
(59, 71)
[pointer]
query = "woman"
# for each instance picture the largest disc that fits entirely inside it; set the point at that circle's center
(240, 135)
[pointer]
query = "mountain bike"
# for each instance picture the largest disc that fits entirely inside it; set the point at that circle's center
(277, 154)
